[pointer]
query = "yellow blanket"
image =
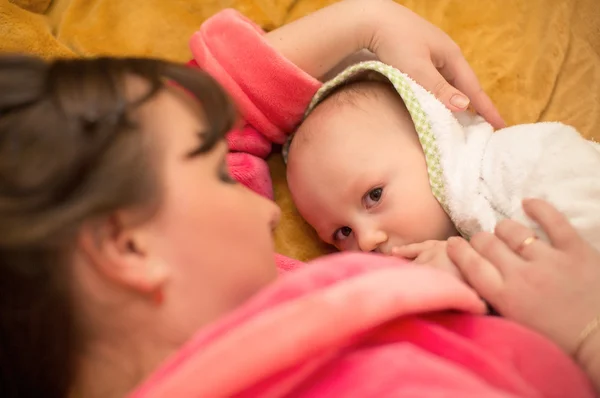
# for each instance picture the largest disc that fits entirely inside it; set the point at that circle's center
(538, 59)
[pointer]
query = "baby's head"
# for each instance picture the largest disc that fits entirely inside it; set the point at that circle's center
(357, 172)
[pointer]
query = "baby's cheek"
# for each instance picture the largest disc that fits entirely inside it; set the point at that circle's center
(347, 246)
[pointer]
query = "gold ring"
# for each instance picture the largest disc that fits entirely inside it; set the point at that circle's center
(526, 243)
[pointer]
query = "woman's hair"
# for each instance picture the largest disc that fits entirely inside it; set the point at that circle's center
(70, 151)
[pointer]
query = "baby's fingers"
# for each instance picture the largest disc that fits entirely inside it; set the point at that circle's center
(410, 251)
(482, 275)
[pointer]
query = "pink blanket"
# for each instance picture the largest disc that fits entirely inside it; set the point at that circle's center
(352, 325)
(349, 325)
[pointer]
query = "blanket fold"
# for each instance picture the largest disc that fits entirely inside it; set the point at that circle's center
(269, 90)
(565, 46)
(350, 325)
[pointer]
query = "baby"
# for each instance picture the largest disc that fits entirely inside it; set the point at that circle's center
(380, 165)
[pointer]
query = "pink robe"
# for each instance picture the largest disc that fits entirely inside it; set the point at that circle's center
(347, 325)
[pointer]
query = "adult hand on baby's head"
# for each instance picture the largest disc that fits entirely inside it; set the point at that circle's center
(427, 54)
(397, 36)
(553, 288)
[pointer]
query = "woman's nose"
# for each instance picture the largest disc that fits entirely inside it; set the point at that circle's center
(265, 207)
(275, 215)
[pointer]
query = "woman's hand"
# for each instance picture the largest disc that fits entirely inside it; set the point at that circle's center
(553, 287)
(397, 36)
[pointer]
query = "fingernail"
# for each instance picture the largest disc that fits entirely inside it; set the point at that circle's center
(459, 101)
(501, 123)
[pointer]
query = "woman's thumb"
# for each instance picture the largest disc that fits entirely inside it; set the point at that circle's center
(431, 79)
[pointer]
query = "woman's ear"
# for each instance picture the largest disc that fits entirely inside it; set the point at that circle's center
(122, 253)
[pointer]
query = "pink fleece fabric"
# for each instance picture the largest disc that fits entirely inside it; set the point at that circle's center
(364, 325)
(270, 92)
(347, 325)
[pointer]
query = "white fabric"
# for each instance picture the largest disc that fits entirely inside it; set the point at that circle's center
(480, 176)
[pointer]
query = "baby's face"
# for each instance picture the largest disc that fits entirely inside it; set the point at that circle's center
(357, 174)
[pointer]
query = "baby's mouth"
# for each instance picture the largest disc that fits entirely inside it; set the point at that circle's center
(378, 250)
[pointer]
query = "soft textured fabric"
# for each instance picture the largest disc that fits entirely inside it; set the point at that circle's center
(538, 59)
(480, 176)
(269, 90)
(364, 325)
(271, 93)
(379, 333)
(351, 324)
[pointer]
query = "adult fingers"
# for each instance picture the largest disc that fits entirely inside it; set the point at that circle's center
(520, 239)
(494, 250)
(561, 233)
(457, 70)
(426, 74)
(482, 275)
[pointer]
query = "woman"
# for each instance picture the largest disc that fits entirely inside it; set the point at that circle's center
(125, 242)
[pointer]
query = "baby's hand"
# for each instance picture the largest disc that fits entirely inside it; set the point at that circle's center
(430, 252)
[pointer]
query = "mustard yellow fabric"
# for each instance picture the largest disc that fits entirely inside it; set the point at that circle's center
(538, 59)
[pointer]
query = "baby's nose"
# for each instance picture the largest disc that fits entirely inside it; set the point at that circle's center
(370, 241)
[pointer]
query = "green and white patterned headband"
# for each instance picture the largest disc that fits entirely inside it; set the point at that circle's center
(406, 88)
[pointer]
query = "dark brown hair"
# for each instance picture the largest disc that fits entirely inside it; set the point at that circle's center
(70, 151)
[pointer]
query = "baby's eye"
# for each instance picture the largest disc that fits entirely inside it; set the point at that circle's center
(373, 197)
(342, 233)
